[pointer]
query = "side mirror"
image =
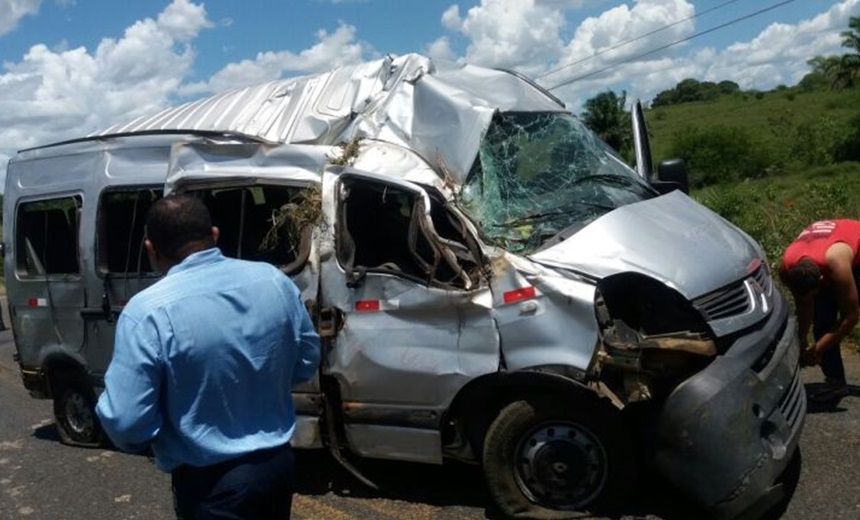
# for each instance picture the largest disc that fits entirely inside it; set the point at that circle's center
(671, 175)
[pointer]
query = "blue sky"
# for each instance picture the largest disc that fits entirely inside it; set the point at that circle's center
(70, 67)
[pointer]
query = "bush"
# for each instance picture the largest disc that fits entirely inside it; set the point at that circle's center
(815, 144)
(720, 154)
(774, 214)
(849, 148)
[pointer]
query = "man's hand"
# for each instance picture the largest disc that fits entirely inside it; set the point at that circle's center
(809, 357)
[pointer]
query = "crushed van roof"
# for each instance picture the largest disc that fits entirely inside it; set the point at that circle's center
(440, 110)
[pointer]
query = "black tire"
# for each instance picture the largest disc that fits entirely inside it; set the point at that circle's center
(555, 459)
(75, 414)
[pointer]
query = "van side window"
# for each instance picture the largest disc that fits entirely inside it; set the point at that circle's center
(47, 237)
(381, 229)
(121, 221)
(266, 223)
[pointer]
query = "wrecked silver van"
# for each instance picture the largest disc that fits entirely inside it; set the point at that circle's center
(491, 282)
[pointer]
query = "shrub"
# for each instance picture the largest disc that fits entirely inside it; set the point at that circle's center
(720, 154)
(815, 143)
(849, 148)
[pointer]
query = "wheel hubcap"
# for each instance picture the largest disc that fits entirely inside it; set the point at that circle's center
(78, 414)
(562, 465)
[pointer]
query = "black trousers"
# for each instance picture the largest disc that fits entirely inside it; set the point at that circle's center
(256, 486)
(825, 319)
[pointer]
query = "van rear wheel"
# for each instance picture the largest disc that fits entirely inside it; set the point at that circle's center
(549, 460)
(74, 413)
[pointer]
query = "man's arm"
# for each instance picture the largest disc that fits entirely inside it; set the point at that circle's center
(804, 306)
(840, 258)
(129, 407)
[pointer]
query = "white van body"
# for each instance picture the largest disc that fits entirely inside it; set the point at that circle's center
(491, 282)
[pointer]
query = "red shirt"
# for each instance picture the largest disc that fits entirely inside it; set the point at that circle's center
(814, 241)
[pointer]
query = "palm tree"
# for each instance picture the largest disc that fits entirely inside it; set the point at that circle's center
(848, 71)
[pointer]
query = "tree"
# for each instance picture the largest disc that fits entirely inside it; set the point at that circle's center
(849, 64)
(823, 73)
(728, 87)
(607, 116)
(838, 71)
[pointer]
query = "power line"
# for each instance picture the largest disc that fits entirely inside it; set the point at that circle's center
(627, 42)
(664, 47)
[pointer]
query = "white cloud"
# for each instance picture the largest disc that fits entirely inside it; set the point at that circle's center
(331, 50)
(778, 55)
(508, 33)
(52, 95)
(451, 18)
(11, 11)
(527, 35)
(617, 34)
(440, 49)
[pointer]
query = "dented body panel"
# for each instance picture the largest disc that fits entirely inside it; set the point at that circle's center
(460, 246)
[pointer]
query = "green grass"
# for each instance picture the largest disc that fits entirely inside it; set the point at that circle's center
(774, 210)
(771, 118)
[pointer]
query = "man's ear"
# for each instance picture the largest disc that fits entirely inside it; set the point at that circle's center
(216, 233)
(147, 244)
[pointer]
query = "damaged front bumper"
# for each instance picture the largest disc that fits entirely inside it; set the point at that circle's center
(740, 418)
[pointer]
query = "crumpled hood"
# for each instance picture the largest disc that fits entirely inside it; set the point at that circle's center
(670, 238)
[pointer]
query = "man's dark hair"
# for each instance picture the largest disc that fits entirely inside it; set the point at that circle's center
(803, 277)
(176, 222)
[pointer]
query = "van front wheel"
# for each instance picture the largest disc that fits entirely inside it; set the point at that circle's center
(548, 460)
(75, 415)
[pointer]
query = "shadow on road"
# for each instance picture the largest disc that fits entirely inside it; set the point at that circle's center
(830, 405)
(459, 484)
(47, 432)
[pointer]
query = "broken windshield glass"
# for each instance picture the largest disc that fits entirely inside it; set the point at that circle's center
(538, 174)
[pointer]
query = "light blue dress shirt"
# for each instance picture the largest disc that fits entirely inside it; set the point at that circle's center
(204, 362)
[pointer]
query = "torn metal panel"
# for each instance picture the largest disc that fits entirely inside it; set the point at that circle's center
(425, 342)
(214, 161)
(397, 332)
(543, 318)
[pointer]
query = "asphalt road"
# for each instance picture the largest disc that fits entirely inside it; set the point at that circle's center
(43, 479)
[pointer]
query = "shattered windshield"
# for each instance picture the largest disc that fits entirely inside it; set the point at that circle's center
(539, 175)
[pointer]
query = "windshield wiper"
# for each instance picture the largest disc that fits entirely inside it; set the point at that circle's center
(615, 180)
(565, 209)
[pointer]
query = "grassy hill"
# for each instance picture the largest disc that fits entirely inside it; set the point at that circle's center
(785, 131)
(793, 189)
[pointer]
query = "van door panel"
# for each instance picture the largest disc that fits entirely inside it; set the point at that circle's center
(405, 347)
(45, 305)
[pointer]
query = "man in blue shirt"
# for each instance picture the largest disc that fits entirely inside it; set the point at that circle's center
(203, 367)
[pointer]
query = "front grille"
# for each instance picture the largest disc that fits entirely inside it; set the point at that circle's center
(735, 299)
(724, 303)
(792, 403)
(762, 277)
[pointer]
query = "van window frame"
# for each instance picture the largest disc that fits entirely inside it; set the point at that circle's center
(22, 272)
(436, 250)
(101, 245)
(302, 250)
